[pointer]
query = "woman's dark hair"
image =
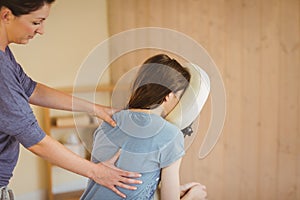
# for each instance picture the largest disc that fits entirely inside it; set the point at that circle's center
(23, 7)
(157, 77)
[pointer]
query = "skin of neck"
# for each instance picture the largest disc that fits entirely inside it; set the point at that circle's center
(3, 36)
(158, 111)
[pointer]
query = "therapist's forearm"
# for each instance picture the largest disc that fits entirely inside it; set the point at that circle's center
(105, 174)
(55, 99)
(54, 152)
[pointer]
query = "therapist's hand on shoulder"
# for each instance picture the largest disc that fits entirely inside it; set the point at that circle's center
(110, 176)
(105, 113)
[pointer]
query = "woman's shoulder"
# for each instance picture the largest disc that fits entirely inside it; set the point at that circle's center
(143, 120)
(139, 124)
(171, 128)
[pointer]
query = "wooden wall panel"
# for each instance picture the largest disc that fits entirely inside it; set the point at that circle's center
(215, 44)
(288, 98)
(256, 45)
(269, 98)
(250, 87)
(233, 75)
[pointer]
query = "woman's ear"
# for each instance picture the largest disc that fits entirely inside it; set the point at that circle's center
(6, 14)
(170, 96)
(169, 103)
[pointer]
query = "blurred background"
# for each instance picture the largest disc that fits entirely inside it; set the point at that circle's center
(256, 46)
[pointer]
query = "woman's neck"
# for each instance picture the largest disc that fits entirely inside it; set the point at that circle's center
(3, 39)
(158, 111)
(2, 47)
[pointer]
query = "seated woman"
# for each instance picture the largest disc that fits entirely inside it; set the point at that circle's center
(146, 141)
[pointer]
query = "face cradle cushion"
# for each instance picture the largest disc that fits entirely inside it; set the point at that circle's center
(193, 99)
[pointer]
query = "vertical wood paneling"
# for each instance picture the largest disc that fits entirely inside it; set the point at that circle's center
(289, 89)
(256, 46)
(170, 14)
(216, 47)
(142, 13)
(156, 13)
(116, 16)
(192, 15)
(250, 87)
(194, 20)
(298, 117)
(269, 98)
(116, 24)
(233, 76)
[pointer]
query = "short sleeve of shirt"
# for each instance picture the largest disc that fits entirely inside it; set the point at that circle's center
(172, 151)
(17, 118)
(26, 82)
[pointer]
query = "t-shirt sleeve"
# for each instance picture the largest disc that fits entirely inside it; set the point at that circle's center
(17, 118)
(27, 84)
(172, 151)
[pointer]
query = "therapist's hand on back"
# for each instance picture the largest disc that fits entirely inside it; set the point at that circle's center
(115, 177)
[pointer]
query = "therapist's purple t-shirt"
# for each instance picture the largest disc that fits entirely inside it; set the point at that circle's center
(17, 121)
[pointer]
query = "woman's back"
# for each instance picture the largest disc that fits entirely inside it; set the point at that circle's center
(148, 143)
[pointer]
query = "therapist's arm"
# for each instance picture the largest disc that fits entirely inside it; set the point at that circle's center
(55, 99)
(105, 174)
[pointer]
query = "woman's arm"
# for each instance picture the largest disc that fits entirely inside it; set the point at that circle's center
(105, 173)
(193, 191)
(170, 183)
(52, 98)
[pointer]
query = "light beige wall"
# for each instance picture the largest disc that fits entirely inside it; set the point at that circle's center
(73, 29)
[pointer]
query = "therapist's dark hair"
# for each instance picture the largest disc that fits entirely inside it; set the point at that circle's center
(158, 76)
(23, 7)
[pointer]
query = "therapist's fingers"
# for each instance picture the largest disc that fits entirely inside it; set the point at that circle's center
(105, 114)
(110, 177)
(126, 175)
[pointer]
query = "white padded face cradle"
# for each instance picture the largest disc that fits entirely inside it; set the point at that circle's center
(193, 99)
